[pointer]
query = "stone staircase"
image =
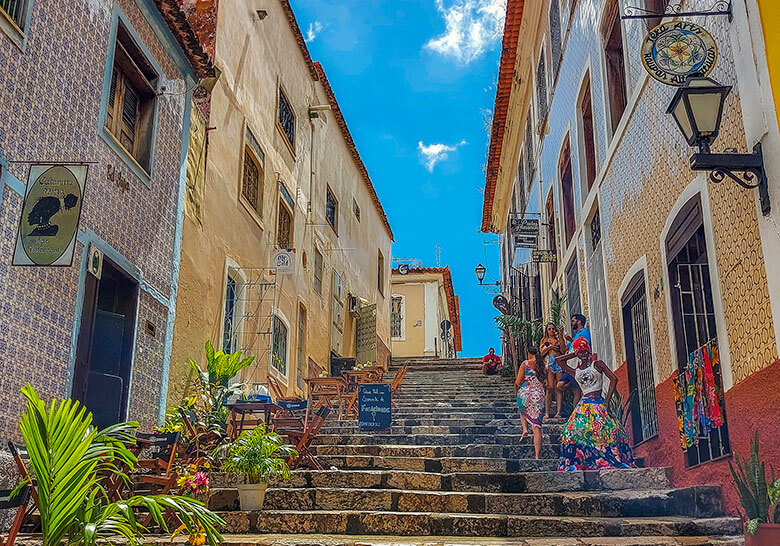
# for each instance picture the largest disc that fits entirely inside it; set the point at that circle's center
(453, 469)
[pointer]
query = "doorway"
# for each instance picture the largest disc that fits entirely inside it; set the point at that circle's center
(104, 352)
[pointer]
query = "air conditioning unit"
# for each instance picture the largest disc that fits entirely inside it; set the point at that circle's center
(354, 304)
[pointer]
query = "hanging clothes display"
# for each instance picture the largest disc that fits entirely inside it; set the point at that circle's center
(697, 395)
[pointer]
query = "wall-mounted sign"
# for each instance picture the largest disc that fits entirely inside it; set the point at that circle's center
(673, 51)
(524, 226)
(50, 215)
(525, 241)
(403, 269)
(284, 261)
(544, 256)
(95, 261)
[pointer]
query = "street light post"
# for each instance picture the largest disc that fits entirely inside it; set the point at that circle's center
(697, 107)
(480, 271)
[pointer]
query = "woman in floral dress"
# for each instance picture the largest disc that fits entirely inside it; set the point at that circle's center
(592, 439)
(530, 395)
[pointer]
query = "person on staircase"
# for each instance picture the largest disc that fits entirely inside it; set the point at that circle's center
(529, 388)
(566, 380)
(592, 439)
(491, 362)
(550, 349)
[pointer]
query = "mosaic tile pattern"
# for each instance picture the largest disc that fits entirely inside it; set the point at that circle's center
(50, 102)
(646, 175)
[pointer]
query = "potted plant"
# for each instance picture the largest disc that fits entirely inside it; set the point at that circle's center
(760, 500)
(259, 456)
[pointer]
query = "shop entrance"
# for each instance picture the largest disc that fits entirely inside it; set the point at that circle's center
(101, 379)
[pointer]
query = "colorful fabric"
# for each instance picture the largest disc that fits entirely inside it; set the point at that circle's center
(530, 397)
(711, 391)
(684, 412)
(593, 440)
(585, 333)
(580, 344)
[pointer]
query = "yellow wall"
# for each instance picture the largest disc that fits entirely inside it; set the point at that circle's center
(414, 309)
(770, 21)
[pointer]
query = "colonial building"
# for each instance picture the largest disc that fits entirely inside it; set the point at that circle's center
(286, 248)
(425, 315)
(661, 259)
(95, 114)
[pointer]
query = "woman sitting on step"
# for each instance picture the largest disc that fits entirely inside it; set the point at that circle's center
(529, 388)
(592, 439)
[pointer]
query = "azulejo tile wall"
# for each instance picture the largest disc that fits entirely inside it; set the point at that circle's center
(50, 96)
(643, 177)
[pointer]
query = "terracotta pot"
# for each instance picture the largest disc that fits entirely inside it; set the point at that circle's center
(251, 495)
(768, 534)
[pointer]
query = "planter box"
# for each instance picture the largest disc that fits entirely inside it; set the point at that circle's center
(768, 534)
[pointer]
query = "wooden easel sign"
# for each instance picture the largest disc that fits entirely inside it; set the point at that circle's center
(374, 406)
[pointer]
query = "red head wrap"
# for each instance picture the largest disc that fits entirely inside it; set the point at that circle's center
(580, 344)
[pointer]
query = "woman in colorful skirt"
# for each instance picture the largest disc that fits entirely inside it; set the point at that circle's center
(592, 439)
(550, 349)
(529, 388)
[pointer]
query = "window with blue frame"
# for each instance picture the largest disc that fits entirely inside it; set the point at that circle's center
(132, 98)
(229, 325)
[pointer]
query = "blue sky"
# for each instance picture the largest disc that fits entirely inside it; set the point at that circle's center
(415, 80)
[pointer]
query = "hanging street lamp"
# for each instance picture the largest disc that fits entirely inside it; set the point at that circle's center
(697, 107)
(480, 271)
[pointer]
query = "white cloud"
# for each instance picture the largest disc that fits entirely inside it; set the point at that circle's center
(471, 27)
(313, 31)
(433, 153)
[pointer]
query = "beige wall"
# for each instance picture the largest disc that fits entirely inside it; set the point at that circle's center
(413, 341)
(255, 57)
(424, 302)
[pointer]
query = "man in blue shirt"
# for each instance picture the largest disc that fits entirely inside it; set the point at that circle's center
(577, 330)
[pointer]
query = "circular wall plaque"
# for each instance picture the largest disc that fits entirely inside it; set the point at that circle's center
(673, 51)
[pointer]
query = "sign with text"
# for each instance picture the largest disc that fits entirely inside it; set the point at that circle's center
(374, 406)
(674, 50)
(524, 226)
(284, 261)
(50, 215)
(524, 241)
(544, 256)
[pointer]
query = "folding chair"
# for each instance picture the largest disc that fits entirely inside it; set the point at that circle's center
(20, 455)
(304, 438)
(20, 502)
(395, 384)
(277, 392)
(160, 476)
(292, 417)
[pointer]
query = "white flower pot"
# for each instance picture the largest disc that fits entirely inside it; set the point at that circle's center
(251, 495)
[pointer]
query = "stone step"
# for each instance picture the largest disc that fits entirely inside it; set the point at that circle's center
(478, 525)
(698, 502)
(429, 439)
(429, 451)
(508, 429)
(375, 540)
(445, 465)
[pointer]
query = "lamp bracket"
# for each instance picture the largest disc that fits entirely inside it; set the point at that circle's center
(718, 7)
(750, 166)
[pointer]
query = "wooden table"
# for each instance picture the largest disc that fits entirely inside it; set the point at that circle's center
(240, 410)
(354, 377)
(325, 390)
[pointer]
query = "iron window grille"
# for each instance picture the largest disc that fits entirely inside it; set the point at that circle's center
(16, 10)
(555, 35)
(286, 118)
(356, 209)
(318, 268)
(331, 210)
(541, 86)
(279, 346)
(228, 326)
(396, 317)
(284, 232)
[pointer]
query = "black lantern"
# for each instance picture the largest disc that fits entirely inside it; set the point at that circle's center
(697, 107)
(480, 271)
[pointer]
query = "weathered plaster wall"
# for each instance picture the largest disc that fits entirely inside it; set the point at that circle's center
(414, 310)
(51, 105)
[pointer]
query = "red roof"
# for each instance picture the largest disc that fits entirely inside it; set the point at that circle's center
(177, 22)
(453, 303)
(506, 76)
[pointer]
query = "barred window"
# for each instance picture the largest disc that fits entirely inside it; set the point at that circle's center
(16, 11)
(286, 118)
(331, 210)
(252, 178)
(529, 146)
(541, 86)
(284, 232)
(380, 272)
(356, 209)
(396, 317)
(555, 35)
(318, 271)
(279, 346)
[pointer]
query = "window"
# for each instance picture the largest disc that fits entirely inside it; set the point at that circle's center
(284, 232)
(279, 346)
(555, 35)
(529, 146)
(380, 272)
(300, 363)
(573, 287)
(131, 100)
(598, 318)
(16, 10)
(567, 193)
(552, 243)
(332, 210)
(230, 334)
(252, 178)
(286, 119)
(397, 318)
(639, 360)
(615, 63)
(588, 137)
(356, 209)
(318, 271)
(541, 86)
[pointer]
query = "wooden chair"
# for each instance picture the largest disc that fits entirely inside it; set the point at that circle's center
(19, 501)
(159, 476)
(278, 394)
(20, 455)
(395, 384)
(304, 438)
(293, 416)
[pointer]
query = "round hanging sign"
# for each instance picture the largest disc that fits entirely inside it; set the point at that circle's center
(673, 51)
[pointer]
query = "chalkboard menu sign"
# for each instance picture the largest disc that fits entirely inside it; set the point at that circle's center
(374, 410)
